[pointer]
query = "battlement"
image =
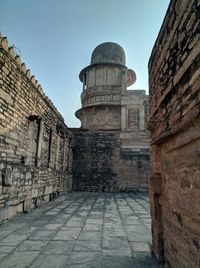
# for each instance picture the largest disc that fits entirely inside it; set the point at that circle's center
(11, 53)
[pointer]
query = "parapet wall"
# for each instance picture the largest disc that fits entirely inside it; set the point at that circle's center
(35, 152)
(174, 123)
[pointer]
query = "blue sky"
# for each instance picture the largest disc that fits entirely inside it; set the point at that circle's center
(55, 39)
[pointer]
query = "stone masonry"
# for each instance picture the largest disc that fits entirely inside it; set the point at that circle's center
(81, 230)
(38, 153)
(111, 149)
(100, 165)
(35, 151)
(174, 123)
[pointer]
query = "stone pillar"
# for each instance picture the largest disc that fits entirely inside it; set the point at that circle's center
(124, 80)
(65, 153)
(39, 147)
(50, 149)
(123, 117)
(105, 76)
(141, 118)
(94, 116)
(57, 152)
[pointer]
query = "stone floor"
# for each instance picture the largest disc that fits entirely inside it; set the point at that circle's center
(81, 230)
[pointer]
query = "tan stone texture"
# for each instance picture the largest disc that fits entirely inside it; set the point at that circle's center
(29, 129)
(174, 123)
(111, 150)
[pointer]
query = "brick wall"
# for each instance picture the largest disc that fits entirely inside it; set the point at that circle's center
(174, 123)
(35, 152)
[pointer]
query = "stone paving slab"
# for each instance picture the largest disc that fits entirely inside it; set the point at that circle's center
(81, 230)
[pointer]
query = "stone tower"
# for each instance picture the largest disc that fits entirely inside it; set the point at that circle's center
(105, 82)
(111, 149)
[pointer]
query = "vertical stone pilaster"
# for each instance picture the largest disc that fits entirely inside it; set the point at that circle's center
(141, 118)
(106, 115)
(124, 80)
(65, 153)
(83, 82)
(123, 117)
(94, 117)
(39, 148)
(57, 152)
(105, 76)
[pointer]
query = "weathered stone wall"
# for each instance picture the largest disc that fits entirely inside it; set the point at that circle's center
(95, 157)
(174, 123)
(100, 164)
(35, 152)
(112, 154)
(100, 117)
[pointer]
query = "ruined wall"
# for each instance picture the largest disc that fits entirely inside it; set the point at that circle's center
(100, 164)
(35, 152)
(174, 123)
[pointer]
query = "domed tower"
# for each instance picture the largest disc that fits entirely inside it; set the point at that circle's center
(111, 150)
(105, 81)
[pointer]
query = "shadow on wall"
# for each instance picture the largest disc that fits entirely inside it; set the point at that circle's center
(100, 165)
(35, 165)
(35, 152)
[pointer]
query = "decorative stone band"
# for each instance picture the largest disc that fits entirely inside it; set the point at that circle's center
(97, 98)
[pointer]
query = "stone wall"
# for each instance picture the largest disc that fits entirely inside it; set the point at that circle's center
(100, 117)
(174, 123)
(100, 164)
(35, 152)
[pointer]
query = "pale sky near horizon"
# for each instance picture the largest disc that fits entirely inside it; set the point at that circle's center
(55, 38)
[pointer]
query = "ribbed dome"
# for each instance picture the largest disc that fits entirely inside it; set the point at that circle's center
(108, 53)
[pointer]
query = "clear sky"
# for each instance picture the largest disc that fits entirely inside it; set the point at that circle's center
(55, 39)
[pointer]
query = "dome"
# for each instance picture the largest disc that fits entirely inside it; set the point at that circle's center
(108, 53)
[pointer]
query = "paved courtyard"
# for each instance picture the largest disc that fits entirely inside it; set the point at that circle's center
(81, 230)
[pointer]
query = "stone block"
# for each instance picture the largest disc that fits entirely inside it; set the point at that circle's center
(4, 43)
(173, 183)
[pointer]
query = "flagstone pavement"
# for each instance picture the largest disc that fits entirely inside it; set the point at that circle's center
(81, 230)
